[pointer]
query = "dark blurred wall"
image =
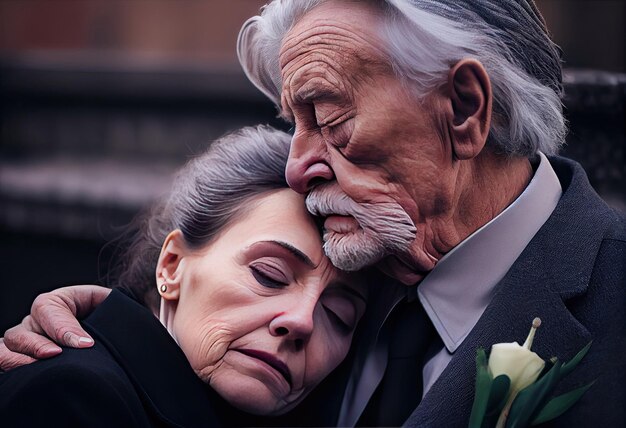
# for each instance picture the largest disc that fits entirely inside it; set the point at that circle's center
(590, 32)
(100, 100)
(198, 29)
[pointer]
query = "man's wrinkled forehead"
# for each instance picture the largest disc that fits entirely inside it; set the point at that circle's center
(347, 28)
(328, 52)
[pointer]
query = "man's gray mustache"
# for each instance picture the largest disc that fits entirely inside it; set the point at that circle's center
(385, 222)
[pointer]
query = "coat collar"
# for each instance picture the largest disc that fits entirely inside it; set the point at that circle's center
(554, 267)
(153, 362)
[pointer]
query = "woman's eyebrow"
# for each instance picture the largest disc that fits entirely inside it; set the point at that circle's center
(296, 253)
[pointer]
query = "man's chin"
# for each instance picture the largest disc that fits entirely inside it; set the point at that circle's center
(394, 267)
(352, 250)
(349, 262)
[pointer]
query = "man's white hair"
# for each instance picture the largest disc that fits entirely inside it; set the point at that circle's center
(425, 38)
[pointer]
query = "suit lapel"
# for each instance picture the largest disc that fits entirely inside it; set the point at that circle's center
(554, 267)
(507, 319)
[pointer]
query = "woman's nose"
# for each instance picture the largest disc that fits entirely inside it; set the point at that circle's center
(295, 324)
(307, 165)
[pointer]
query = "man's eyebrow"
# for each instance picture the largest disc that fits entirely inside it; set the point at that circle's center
(308, 94)
(297, 253)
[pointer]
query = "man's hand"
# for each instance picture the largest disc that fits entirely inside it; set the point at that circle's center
(54, 318)
(10, 360)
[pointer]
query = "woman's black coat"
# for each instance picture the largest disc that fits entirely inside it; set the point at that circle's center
(134, 376)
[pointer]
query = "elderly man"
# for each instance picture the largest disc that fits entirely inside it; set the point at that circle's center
(425, 133)
(421, 134)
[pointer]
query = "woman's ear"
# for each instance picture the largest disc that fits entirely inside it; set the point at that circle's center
(469, 118)
(170, 265)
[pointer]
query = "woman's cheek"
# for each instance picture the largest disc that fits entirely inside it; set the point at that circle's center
(205, 346)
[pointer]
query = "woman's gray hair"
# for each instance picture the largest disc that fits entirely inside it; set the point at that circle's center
(208, 193)
(425, 38)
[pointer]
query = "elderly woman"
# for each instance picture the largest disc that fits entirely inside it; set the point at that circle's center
(232, 265)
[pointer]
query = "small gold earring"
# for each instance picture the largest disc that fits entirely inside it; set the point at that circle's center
(163, 288)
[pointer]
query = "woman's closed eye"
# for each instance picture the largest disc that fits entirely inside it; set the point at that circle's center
(341, 312)
(339, 323)
(268, 276)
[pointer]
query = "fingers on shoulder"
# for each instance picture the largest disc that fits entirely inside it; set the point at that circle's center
(10, 360)
(55, 315)
(27, 338)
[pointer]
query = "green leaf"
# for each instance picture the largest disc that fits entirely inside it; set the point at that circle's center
(558, 405)
(532, 398)
(499, 393)
(571, 364)
(482, 390)
(497, 400)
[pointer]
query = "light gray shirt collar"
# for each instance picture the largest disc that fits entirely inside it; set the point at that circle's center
(457, 291)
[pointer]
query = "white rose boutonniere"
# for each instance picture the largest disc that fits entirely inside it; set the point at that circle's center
(513, 387)
(519, 363)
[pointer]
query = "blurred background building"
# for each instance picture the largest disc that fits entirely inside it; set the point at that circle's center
(100, 100)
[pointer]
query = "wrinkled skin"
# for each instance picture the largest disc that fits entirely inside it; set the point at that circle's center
(53, 315)
(358, 124)
(263, 285)
(259, 296)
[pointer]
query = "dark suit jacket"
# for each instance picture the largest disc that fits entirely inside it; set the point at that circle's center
(134, 376)
(573, 276)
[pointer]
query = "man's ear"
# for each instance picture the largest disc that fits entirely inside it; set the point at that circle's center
(469, 117)
(170, 265)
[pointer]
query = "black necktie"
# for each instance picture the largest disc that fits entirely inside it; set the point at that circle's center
(400, 391)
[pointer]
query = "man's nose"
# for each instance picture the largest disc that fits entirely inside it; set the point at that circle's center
(295, 324)
(307, 165)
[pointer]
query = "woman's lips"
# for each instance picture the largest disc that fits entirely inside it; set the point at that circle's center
(270, 360)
